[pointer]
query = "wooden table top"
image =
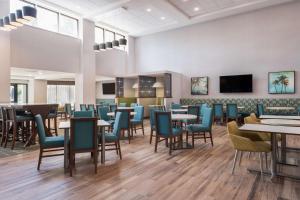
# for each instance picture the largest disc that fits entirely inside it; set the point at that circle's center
(66, 124)
(280, 122)
(280, 108)
(112, 114)
(179, 110)
(279, 117)
(183, 116)
(290, 130)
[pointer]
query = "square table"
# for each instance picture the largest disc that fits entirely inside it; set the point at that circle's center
(274, 130)
(66, 126)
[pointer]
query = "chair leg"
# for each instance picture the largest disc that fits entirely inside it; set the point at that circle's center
(3, 133)
(241, 157)
(193, 139)
(143, 128)
(156, 141)
(119, 147)
(117, 150)
(266, 157)
(234, 161)
(96, 160)
(151, 135)
(204, 135)
(187, 136)
(211, 138)
(170, 146)
(55, 126)
(261, 164)
(40, 159)
(71, 164)
(6, 135)
(14, 136)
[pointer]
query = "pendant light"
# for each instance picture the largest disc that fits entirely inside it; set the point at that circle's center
(29, 12)
(108, 45)
(115, 43)
(19, 17)
(13, 20)
(97, 48)
(2, 27)
(102, 47)
(7, 23)
(123, 42)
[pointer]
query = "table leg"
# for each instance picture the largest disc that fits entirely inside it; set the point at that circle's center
(274, 156)
(102, 146)
(66, 149)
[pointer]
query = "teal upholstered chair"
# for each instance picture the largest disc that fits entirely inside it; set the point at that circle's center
(198, 131)
(83, 107)
(125, 122)
(122, 104)
(102, 113)
(232, 112)
(47, 144)
(113, 138)
(133, 105)
(298, 110)
(68, 109)
(202, 108)
(83, 139)
(152, 111)
(138, 119)
(91, 107)
(83, 114)
(113, 107)
(165, 131)
(175, 106)
(260, 109)
(218, 112)
(192, 110)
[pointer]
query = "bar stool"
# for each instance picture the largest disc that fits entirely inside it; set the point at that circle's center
(3, 124)
(52, 116)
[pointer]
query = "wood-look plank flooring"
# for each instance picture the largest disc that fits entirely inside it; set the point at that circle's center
(200, 173)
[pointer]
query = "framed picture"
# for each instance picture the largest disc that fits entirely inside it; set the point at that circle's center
(199, 85)
(281, 82)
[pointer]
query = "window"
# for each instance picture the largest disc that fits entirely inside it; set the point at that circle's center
(50, 20)
(47, 19)
(118, 37)
(61, 94)
(18, 93)
(109, 36)
(99, 35)
(68, 25)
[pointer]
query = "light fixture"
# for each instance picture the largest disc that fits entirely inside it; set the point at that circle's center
(29, 12)
(196, 9)
(96, 47)
(135, 86)
(148, 10)
(102, 47)
(7, 23)
(162, 18)
(122, 42)
(13, 20)
(2, 27)
(109, 45)
(115, 43)
(19, 17)
(158, 85)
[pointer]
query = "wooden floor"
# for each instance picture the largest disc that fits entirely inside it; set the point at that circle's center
(201, 173)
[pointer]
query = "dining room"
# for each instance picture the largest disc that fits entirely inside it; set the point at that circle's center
(137, 99)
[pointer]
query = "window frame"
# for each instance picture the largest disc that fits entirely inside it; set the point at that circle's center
(56, 12)
(114, 33)
(67, 16)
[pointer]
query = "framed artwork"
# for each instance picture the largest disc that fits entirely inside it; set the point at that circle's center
(281, 82)
(199, 85)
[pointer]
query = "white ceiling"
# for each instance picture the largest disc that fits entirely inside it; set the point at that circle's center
(141, 17)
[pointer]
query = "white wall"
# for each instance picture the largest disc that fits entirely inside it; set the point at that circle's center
(258, 42)
(99, 90)
(37, 91)
(36, 48)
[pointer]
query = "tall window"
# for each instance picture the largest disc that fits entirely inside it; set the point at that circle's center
(109, 36)
(61, 94)
(48, 19)
(18, 93)
(99, 35)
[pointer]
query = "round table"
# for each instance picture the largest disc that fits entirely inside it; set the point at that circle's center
(176, 117)
(112, 114)
(281, 122)
(179, 110)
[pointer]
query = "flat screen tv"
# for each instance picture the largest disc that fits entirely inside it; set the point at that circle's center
(236, 84)
(108, 88)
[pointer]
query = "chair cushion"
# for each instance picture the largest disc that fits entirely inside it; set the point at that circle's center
(52, 142)
(197, 128)
(109, 137)
(262, 146)
(177, 131)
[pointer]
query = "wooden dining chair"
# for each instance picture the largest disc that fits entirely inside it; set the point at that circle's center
(83, 139)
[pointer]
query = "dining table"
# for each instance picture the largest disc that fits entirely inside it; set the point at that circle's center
(274, 130)
(177, 117)
(181, 110)
(291, 117)
(280, 108)
(65, 125)
(112, 114)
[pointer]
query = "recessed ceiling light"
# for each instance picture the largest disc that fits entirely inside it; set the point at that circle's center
(162, 18)
(148, 10)
(185, 0)
(196, 9)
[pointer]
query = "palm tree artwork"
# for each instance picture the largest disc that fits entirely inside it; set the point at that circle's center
(282, 82)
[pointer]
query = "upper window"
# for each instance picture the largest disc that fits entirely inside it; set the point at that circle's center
(49, 19)
(103, 35)
(99, 35)
(109, 36)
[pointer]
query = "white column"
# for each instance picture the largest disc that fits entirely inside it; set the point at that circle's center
(4, 56)
(85, 79)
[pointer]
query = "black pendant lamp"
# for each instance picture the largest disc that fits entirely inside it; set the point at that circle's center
(13, 20)
(123, 42)
(115, 43)
(29, 12)
(2, 27)
(19, 17)
(96, 47)
(102, 47)
(109, 45)
(7, 23)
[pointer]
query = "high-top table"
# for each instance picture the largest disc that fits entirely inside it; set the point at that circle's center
(274, 130)
(66, 127)
(279, 117)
